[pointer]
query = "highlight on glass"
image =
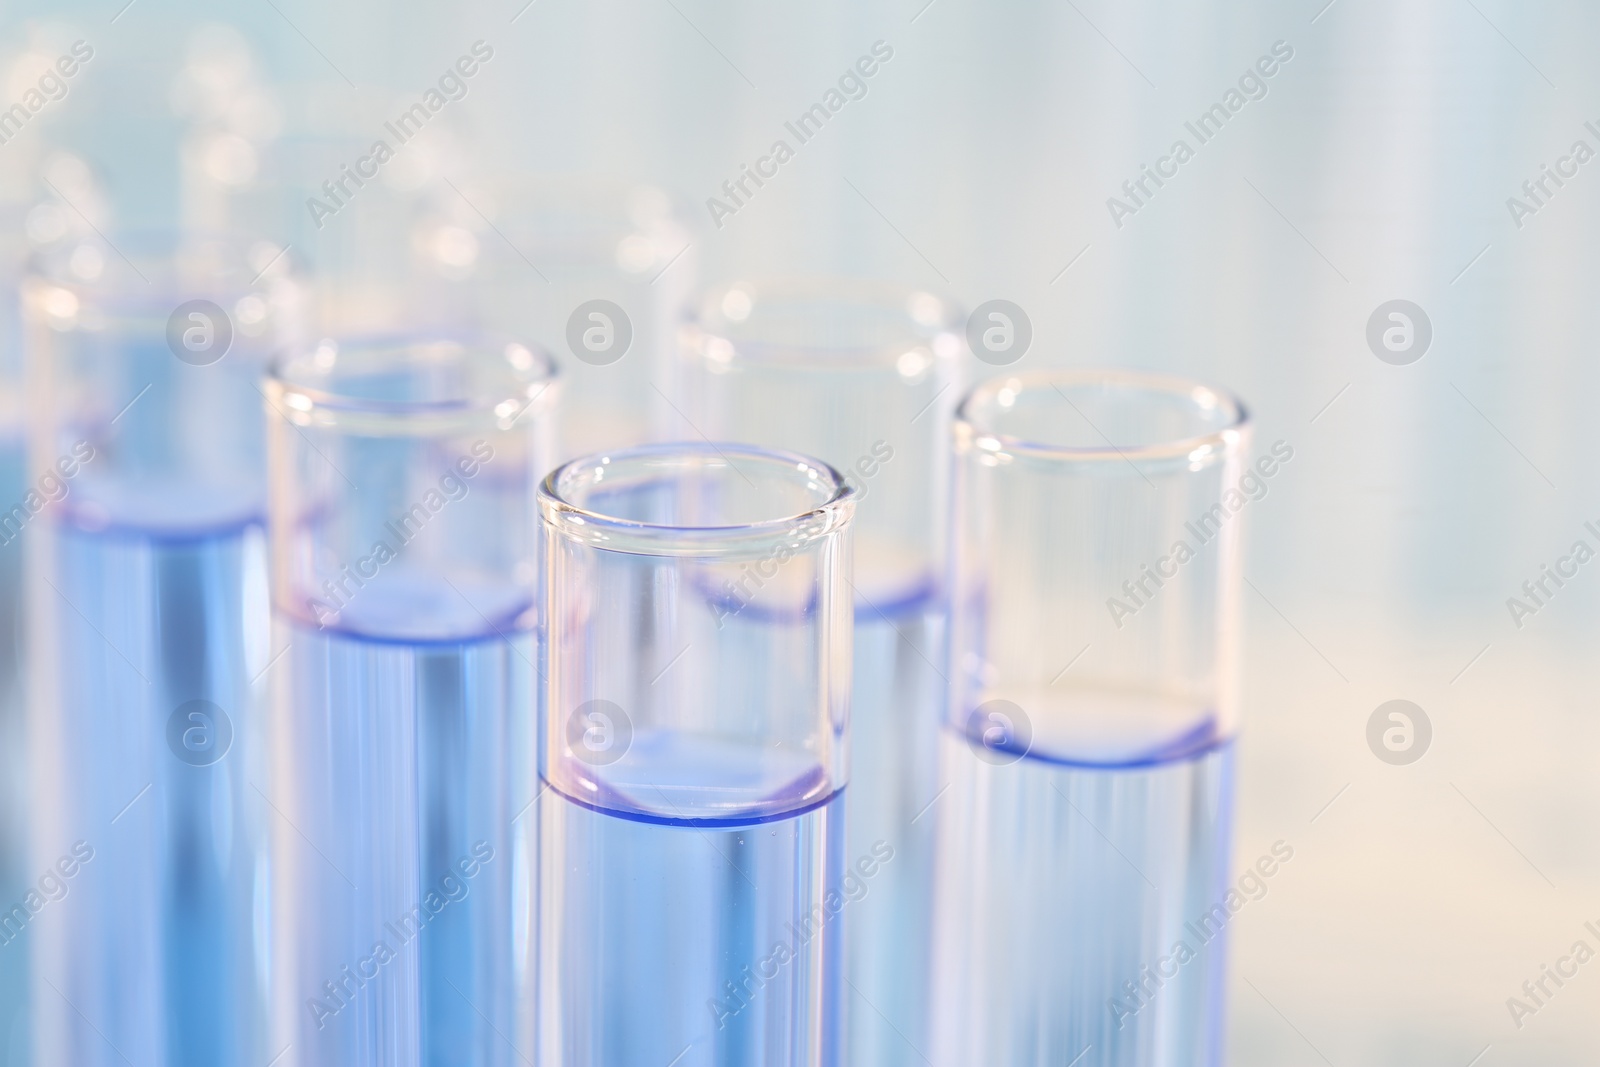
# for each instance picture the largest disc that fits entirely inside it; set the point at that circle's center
(861, 374)
(693, 738)
(142, 519)
(405, 595)
(1088, 745)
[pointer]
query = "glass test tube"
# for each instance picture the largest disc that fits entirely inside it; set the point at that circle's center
(142, 519)
(693, 743)
(404, 594)
(1088, 744)
(15, 879)
(860, 374)
(597, 270)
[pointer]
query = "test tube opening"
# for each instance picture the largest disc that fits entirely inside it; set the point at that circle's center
(148, 356)
(695, 592)
(1088, 416)
(1110, 494)
(403, 469)
(698, 499)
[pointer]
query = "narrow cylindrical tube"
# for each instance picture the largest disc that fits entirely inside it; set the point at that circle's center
(404, 595)
(16, 816)
(141, 517)
(693, 739)
(596, 270)
(1084, 895)
(861, 375)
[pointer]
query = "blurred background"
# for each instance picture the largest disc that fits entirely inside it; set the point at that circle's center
(1383, 159)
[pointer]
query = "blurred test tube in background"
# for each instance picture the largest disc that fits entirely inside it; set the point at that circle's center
(1088, 743)
(15, 881)
(404, 596)
(598, 271)
(595, 271)
(27, 226)
(694, 748)
(862, 375)
(231, 117)
(148, 594)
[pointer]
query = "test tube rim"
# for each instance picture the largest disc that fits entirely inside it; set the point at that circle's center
(331, 409)
(597, 529)
(1190, 452)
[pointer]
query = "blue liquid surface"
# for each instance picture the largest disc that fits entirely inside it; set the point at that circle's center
(156, 949)
(396, 763)
(700, 944)
(1060, 884)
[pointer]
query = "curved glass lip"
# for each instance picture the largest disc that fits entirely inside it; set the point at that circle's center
(970, 431)
(795, 529)
(704, 327)
(305, 404)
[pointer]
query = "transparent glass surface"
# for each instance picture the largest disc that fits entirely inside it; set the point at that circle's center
(1087, 747)
(141, 515)
(861, 374)
(404, 603)
(693, 739)
(15, 784)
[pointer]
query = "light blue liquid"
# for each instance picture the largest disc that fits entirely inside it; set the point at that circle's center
(15, 879)
(398, 768)
(163, 930)
(895, 710)
(1062, 884)
(699, 944)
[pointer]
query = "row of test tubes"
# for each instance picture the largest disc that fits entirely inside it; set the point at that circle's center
(607, 672)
